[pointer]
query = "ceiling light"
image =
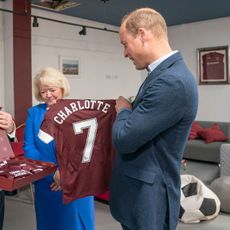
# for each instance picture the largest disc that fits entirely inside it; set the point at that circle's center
(83, 31)
(35, 22)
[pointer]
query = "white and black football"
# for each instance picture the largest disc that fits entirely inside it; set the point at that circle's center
(197, 201)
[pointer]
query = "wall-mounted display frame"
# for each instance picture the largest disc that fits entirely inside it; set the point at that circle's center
(69, 66)
(213, 65)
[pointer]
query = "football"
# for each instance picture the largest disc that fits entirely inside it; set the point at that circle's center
(197, 202)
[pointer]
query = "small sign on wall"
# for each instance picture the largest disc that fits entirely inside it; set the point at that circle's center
(69, 66)
(213, 65)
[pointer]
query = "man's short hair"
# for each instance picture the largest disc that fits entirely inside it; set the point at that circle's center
(146, 18)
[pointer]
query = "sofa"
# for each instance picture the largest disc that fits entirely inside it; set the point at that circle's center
(202, 151)
(209, 160)
(198, 149)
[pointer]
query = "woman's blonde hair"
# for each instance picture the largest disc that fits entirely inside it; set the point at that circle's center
(50, 76)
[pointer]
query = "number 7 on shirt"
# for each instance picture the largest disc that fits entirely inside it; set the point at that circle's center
(92, 125)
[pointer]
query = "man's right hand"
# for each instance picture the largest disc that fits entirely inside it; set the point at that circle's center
(122, 103)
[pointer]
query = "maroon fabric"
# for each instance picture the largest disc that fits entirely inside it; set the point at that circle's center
(104, 196)
(212, 134)
(196, 127)
(65, 123)
(17, 148)
(20, 133)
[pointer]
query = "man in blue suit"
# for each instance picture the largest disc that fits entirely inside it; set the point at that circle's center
(150, 135)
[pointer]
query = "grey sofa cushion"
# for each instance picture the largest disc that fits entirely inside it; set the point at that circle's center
(221, 186)
(199, 150)
(206, 172)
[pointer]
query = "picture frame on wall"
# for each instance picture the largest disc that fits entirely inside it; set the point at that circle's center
(213, 65)
(69, 66)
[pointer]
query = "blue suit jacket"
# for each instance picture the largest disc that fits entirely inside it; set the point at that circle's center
(51, 213)
(150, 140)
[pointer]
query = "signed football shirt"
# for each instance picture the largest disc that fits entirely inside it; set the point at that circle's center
(82, 131)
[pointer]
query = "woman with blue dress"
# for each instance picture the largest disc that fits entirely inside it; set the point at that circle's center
(51, 85)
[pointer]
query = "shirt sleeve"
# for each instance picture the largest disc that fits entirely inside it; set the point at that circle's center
(46, 132)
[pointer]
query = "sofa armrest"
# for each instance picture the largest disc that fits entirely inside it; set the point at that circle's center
(225, 160)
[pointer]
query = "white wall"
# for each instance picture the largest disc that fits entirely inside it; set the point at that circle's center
(214, 100)
(6, 59)
(104, 72)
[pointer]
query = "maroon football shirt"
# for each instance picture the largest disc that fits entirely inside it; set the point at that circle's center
(82, 131)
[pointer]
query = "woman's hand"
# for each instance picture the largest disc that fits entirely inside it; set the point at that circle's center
(56, 185)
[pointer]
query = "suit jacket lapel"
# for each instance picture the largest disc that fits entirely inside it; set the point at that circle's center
(153, 75)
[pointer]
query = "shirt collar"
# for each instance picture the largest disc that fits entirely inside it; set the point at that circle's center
(154, 64)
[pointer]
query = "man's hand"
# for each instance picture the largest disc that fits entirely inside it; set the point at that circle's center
(122, 103)
(6, 122)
